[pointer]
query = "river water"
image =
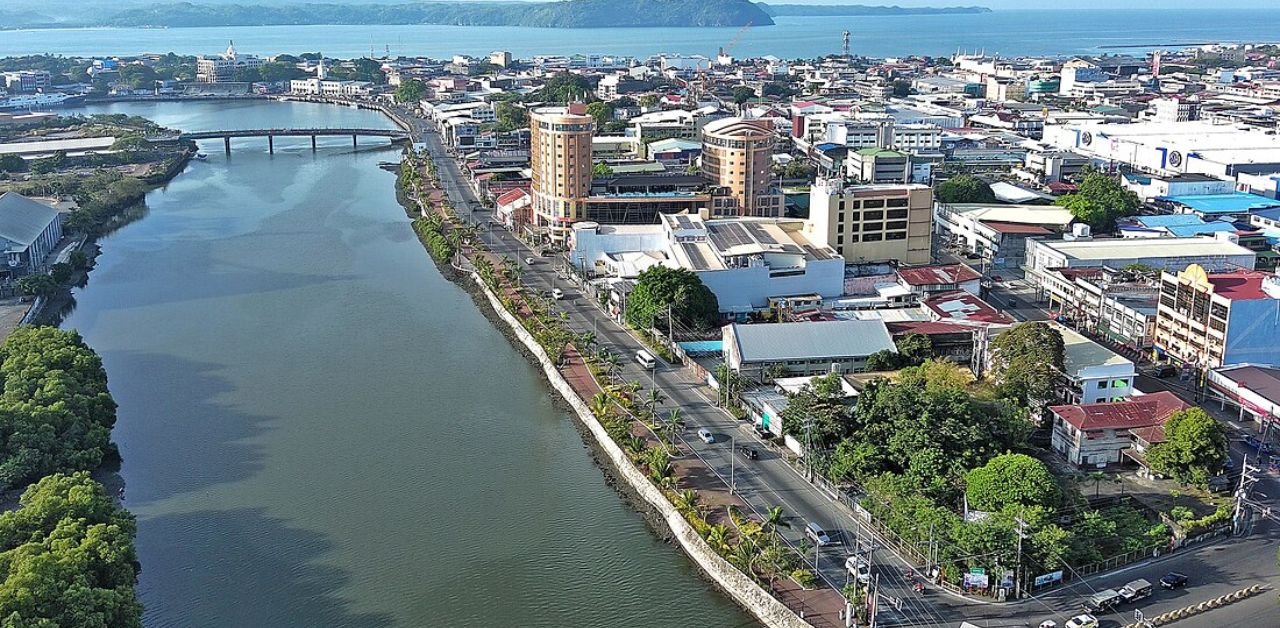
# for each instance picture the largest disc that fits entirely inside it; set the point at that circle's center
(1012, 32)
(319, 430)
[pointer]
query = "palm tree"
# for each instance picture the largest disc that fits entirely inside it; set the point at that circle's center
(774, 518)
(652, 400)
(675, 423)
(718, 538)
(686, 501)
(1097, 477)
(601, 406)
(510, 268)
(634, 443)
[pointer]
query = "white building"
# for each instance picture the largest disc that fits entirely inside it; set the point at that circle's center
(998, 233)
(1173, 148)
(804, 348)
(1096, 374)
(743, 261)
(1171, 254)
(223, 68)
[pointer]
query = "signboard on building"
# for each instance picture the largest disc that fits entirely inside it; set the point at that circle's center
(1048, 579)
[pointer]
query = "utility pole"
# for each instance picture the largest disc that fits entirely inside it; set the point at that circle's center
(732, 465)
(1242, 495)
(1017, 568)
(671, 334)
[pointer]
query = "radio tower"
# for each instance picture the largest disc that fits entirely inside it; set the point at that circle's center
(845, 47)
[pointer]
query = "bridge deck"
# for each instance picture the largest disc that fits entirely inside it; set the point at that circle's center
(208, 135)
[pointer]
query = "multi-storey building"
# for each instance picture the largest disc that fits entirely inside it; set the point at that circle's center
(223, 68)
(737, 155)
(878, 165)
(871, 222)
(26, 80)
(560, 159)
(1215, 319)
(1117, 305)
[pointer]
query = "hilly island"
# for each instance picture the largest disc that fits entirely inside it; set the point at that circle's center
(559, 14)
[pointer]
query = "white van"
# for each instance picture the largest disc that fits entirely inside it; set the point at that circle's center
(646, 359)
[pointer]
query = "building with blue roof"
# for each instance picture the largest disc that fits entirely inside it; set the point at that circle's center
(1218, 204)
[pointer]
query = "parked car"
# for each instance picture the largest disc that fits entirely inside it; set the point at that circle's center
(1167, 370)
(706, 435)
(859, 568)
(1102, 601)
(1173, 580)
(1220, 484)
(816, 534)
(762, 431)
(749, 453)
(1082, 621)
(557, 294)
(1136, 590)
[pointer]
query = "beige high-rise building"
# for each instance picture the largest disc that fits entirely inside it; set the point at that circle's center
(737, 155)
(872, 223)
(560, 157)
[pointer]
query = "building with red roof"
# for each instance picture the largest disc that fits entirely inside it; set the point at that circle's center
(1215, 319)
(1095, 434)
(924, 280)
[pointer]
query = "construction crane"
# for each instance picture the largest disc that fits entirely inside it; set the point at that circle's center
(845, 38)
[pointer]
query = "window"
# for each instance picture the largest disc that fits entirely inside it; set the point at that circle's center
(896, 224)
(873, 216)
(840, 217)
(855, 216)
(897, 213)
(896, 235)
(873, 204)
(897, 202)
(839, 239)
(840, 228)
(873, 226)
(873, 237)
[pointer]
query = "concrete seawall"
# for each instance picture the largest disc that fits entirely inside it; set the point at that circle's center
(733, 582)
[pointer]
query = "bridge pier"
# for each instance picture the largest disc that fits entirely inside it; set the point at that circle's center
(353, 141)
(271, 144)
(313, 143)
(226, 144)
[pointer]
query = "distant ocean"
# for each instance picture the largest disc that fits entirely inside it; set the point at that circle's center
(1054, 32)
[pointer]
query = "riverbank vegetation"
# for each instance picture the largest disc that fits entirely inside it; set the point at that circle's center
(67, 558)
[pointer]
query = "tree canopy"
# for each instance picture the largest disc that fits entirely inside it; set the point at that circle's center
(411, 91)
(601, 112)
(1026, 361)
(1194, 449)
(965, 189)
(1099, 201)
(692, 303)
(818, 414)
(55, 411)
(742, 93)
(67, 558)
(565, 87)
(1011, 480)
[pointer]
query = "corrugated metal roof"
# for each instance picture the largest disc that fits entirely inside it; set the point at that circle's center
(811, 341)
(22, 220)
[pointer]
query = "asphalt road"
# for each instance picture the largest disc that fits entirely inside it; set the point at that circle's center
(769, 481)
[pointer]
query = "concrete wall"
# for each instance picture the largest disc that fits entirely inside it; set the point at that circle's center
(737, 585)
(747, 289)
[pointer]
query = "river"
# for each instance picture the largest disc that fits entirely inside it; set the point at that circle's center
(319, 430)
(1012, 32)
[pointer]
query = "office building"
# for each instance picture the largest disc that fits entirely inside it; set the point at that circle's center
(802, 349)
(737, 155)
(998, 233)
(1168, 254)
(560, 159)
(26, 81)
(878, 165)
(1215, 319)
(224, 67)
(871, 222)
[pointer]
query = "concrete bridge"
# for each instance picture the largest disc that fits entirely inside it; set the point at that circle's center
(396, 136)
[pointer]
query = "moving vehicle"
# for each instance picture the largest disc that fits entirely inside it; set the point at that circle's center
(1173, 580)
(646, 359)
(530, 261)
(1136, 590)
(859, 568)
(815, 533)
(706, 435)
(1102, 601)
(1048, 623)
(1082, 621)
(557, 294)
(749, 453)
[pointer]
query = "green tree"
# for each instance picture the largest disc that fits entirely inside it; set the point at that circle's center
(280, 71)
(658, 288)
(138, 76)
(901, 88)
(510, 116)
(818, 414)
(131, 143)
(55, 411)
(49, 164)
(61, 272)
(565, 87)
(1011, 480)
(1027, 361)
(601, 112)
(914, 348)
(12, 163)
(742, 94)
(965, 189)
(776, 88)
(1194, 448)
(601, 169)
(247, 75)
(37, 285)
(1100, 200)
(798, 169)
(411, 91)
(67, 558)
(884, 360)
(649, 101)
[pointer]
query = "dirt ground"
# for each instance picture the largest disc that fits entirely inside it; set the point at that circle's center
(11, 313)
